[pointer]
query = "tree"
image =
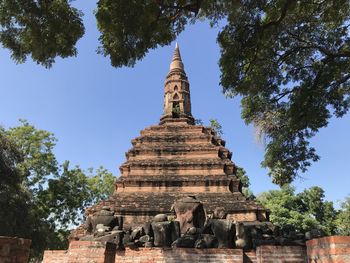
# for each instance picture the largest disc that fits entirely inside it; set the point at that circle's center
(69, 193)
(66, 196)
(44, 29)
(288, 60)
(305, 211)
(312, 201)
(101, 184)
(243, 177)
(36, 147)
(343, 218)
(13, 197)
(216, 126)
(50, 198)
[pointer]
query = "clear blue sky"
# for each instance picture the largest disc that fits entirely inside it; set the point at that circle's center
(95, 110)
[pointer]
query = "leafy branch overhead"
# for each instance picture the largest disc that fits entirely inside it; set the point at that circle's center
(43, 29)
(288, 60)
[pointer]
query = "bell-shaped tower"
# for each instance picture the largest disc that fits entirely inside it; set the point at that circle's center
(177, 99)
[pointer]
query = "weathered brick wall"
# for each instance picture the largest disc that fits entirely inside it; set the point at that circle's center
(81, 252)
(95, 252)
(179, 255)
(335, 249)
(280, 254)
(14, 250)
(55, 256)
(329, 249)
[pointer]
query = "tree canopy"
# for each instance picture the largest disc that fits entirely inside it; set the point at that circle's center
(288, 60)
(343, 218)
(43, 29)
(13, 197)
(304, 211)
(34, 188)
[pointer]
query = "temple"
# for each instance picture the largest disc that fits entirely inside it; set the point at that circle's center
(176, 159)
(178, 199)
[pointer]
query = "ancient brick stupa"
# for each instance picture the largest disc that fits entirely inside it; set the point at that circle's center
(178, 158)
(178, 189)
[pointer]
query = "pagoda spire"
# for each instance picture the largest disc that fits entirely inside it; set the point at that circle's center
(176, 63)
(177, 99)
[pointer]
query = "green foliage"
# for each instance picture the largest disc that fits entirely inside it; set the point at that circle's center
(9, 157)
(289, 60)
(312, 201)
(100, 184)
(40, 199)
(130, 28)
(36, 147)
(343, 218)
(66, 196)
(216, 126)
(43, 29)
(304, 211)
(243, 177)
(69, 193)
(13, 197)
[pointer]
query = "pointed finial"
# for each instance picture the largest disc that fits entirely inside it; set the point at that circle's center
(176, 63)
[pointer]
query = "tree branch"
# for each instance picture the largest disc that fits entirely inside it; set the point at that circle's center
(282, 16)
(320, 48)
(282, 95)
(192, 7)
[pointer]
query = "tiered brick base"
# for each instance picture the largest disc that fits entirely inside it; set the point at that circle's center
(329, 249)
(175, 160)
(95, 252)
(14, 250)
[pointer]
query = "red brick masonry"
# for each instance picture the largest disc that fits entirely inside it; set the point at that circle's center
(94, 252)
(87, 251)
(280, 254)
(333, 249)
(14, 250)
